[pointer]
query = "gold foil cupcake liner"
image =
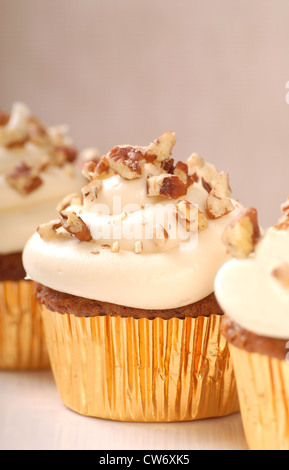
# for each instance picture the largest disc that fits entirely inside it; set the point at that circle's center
(22, 339)
(263, 387)
(141, 370)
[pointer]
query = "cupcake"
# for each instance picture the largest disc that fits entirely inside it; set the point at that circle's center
(253, 291)
(36, 171)
(125, 278)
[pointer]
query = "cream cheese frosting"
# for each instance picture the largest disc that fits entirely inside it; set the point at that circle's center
(29, 153)
(254, 291)
(119, 242)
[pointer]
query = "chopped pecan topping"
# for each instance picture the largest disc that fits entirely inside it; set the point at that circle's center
(166, 185)
(242, 235)
(89, 170)
(161, 148)
(48, 231)
(4, 118)
(211, 178)
(283, 223)
(218, 204)
(15, 142)
(168, 165)
(195, 162)
(192, 179)
(97, 169)
(206, 186)
(20, 128)
(103, 169)
(138, 247)
(160, 236)
(60, 155)
(181, 170)
(202, 221)
(193, 219)
(43, 164)
(15, 131)
(37, 133)
(58, 136)
(208, 174)
(128, 162)
(281, 273)
(285, 206)
(24, 179)
(90, 192)
(73, 224)
(115, 247)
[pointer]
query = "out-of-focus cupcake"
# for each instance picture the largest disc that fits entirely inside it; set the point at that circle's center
(253, 291)
(36, 171)
(126, 276)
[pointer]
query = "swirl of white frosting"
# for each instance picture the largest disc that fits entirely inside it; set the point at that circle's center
(251, 294)
(21, 214)
(138, 270)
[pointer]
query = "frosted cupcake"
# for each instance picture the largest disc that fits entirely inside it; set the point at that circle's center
(253, 291)
(36, 171)
(125, 277)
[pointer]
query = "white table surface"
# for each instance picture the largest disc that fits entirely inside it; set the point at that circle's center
(32, 417)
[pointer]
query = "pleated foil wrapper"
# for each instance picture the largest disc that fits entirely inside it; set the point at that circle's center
(263, 387)
(22, 338)
(141, 370)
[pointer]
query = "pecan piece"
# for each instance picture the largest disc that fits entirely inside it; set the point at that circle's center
(37, 133)
(160, 236)
(4, 118)
(285, 206)
(181, 170)
(138, 247)
(97, 169)
(115, 247)
(89, 170)
(168, 166)
(193, 219)
(242, 235)
(208, 174)
(62, 154)
(15, 131)
(24, 179)
(161, 148)
(166, 185)
(206, 185)
(195, 161)
(90, 192)
(73, 224)
(283, 223)
(192, 179)
(128, 162)
(48, 231)
(218, 204)
(58, 136)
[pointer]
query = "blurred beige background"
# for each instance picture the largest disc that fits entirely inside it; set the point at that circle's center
(124, 71)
